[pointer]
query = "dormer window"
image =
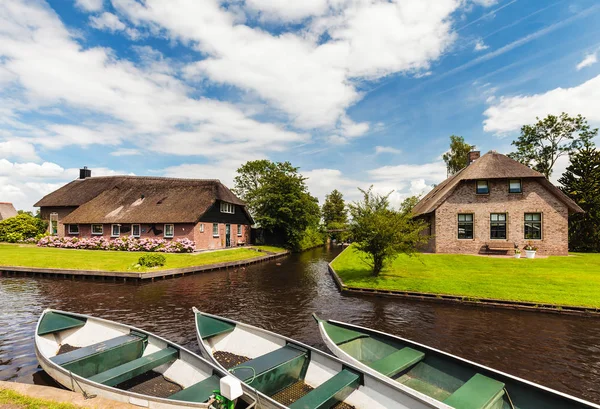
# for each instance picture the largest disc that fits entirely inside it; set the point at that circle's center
(483, 188)
(514, 186)
(227, 208)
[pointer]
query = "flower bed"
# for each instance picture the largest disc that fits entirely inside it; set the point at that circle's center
(125, 243)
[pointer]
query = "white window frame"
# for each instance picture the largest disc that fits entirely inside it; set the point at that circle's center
(487, 183)
(520, 186)
(112, 230)
(217, 225)
(167, 236)
(71, 231)
(201, 227)
(139, 230)
(239, 230)
(227, 207)
(101, 230)
(541, 222)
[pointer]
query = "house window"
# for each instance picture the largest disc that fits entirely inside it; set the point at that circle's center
(498, 226)
(215, 229)
(465, 226)
(514, 186)
(239, 228)
(97, 229)
(169, 230)
(227, 207)
(135, 230)
(201, 227)
(533, 226)
(73, 229)
(115, 230)
(54, 224)
(483, 187)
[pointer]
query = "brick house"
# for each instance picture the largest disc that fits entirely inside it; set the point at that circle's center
(204, 211)
(496, 204)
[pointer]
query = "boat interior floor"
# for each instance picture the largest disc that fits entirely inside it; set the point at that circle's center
(66, 348)
(228, 360)
(152, 384)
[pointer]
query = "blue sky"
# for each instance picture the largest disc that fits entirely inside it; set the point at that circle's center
(354, 92)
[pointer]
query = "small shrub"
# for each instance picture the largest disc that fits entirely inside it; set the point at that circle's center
(14, 237)
(152, 260)
(23, 224)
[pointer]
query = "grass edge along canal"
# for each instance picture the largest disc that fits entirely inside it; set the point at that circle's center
(14, 255)
(566, 281)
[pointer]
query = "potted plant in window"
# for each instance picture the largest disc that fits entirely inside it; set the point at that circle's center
(517, 253)
(530, 251)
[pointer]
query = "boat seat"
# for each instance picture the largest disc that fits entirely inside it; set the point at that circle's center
(266, 362)
(136, 367)
(93, 359)
(479, 392)
(199, 392)
(340, 335)
(398, 361)
(209, 327)
(329, 393)
(55, 322)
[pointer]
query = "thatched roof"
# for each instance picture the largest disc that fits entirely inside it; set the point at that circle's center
(492, 165)
(7, 210)
(138, 199)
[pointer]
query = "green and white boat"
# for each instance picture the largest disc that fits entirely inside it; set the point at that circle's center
(284, 373)
(98, 357)
(449, 379)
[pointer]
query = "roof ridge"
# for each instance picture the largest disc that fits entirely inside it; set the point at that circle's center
(150, 178)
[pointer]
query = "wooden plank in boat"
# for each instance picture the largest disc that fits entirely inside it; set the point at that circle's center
(479, 392)
(398, 361)
(199, 392)
(332, 391)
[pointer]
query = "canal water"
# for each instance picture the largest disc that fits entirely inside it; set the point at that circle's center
(562, 352)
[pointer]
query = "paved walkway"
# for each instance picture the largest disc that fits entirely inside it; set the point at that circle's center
(60, 395)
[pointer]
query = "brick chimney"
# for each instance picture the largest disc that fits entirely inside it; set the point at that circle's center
(85, 173)
(472, 157)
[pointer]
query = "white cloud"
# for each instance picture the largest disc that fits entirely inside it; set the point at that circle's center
(589, 59)
(510, 113)
(309, 80)
(90, 5)
(18, 149)
(485, 3)
(386, 149)
(110, 22)
(126, 152)
(144, 105)
(433, 172)
(480, 45)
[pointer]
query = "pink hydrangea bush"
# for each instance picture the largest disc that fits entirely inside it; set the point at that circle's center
(125, 243)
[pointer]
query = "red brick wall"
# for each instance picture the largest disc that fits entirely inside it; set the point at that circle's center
(182, 230)
(534, 199)
(206, 240)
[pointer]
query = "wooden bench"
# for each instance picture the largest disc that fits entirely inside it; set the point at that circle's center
(93, 359)
(199, 392)
(398, 361)
(499, 246)
(479, 392)
(136, 367)
(329, 393)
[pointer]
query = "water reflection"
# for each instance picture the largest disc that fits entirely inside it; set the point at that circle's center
(560, 352)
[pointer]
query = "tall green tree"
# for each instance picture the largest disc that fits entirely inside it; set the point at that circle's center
(278, 199)
(335, 215)
(456, 157)
(383, 233)
(581, 182)
(540, 145)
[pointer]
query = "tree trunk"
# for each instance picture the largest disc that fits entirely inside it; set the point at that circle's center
(377, 265)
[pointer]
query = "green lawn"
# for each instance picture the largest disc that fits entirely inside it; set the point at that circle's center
(14, 400)
(44, 257)
(572, 280)
(271, 249)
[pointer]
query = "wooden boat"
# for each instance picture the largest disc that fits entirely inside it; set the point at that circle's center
(288, 374)
(102, 358)
(455, 381)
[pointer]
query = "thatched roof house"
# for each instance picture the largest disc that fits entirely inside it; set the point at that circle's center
(7, 210)
(496, 199)
(148, 206)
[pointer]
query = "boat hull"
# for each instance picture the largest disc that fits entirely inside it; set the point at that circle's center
(89, 388)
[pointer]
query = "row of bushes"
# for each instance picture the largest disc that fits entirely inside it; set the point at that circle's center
(125, 243)
(22, 227)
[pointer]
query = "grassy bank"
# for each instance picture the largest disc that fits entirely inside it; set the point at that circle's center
(573, 280)
(44, 257)
(14, 400)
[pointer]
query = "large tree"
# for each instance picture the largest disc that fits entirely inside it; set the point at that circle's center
(456, 157)
(540, 145)
(581, 182)
(381, 232)
(278, 198)
(335, 215)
